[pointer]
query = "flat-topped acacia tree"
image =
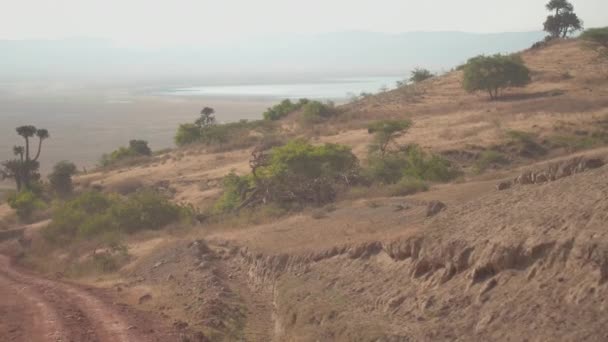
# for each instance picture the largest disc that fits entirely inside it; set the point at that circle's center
(24, 169)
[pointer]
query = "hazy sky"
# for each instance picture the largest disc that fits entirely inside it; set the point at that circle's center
(182, 21)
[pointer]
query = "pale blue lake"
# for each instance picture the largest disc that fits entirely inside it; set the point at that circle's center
(330, 89)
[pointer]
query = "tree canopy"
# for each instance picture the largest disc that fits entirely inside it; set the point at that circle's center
(563, 21)
(494, 73)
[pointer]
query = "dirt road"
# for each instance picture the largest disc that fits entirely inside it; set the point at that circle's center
(37, 309)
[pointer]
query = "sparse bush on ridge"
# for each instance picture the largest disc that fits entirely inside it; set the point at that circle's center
(314, 112)
(137, 148)
(420, 74)
(226, 136)
(598, 35)
(283, 109)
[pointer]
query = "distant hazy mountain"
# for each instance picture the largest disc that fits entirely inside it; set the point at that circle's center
(348, 53)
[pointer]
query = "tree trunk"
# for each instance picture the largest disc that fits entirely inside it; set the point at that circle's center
(27, 148)
(39, 149)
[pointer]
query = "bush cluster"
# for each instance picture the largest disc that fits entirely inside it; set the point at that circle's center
(25, 203)
(598, 35)
(295, 173)
(226, 136)
(411, 163)
(315, 112)
(137, 148)
(93, 214)
(283, 109)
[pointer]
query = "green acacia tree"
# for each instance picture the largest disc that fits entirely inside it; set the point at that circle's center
(495, 73)
(386, 132)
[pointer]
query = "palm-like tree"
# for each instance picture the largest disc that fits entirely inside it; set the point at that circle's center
(27, 132)
(42, 134)
(24, 169)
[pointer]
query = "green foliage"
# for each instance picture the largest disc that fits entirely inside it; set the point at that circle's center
(427, 167)
(488, 158)
(526, 144)
(25, 203)
(494, 73)
(410, 163)
(598, 35)
(140, 147)
(573, 142)
(61, 178)
(315, 112)
(420, 74)
(564, 21)
(229, 135)
(235, 188)
(296, 172)
(387, 169)
(137, 148)
(407, 186)
(187, 134)
(93, 214)
(385, 132)
(283, 109)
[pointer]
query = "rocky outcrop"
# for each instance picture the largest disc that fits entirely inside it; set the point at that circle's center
(556, 171)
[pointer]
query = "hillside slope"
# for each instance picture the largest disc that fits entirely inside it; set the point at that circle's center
(526, 262)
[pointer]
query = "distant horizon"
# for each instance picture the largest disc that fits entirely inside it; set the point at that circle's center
(145, 23)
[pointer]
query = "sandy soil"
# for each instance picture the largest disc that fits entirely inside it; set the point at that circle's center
(39, 309)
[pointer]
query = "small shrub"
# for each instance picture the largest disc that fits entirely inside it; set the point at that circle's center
(387, 169)
(407, 186)
(315, 112)
(525, 144)
(283, 109)
(420, 74)
(25, 203)
(61, 178)
(187, 134)
(137, 148)
(226, 136)
(577, 142)
(426, 167)
(235, 188)
(488, 158)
